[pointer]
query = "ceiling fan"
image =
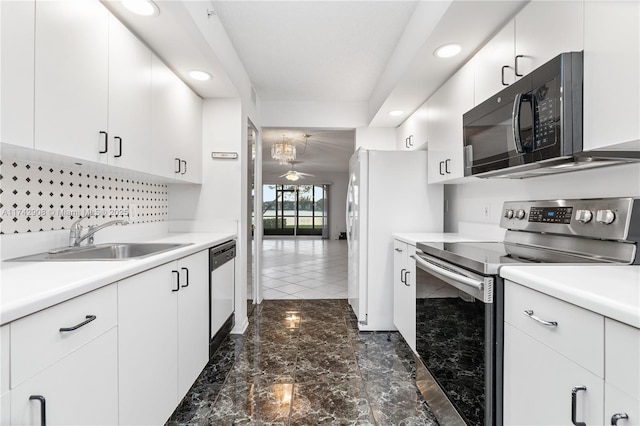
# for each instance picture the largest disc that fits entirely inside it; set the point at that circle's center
(294, 175)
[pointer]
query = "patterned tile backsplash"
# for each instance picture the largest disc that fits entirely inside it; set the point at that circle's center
(37, 197)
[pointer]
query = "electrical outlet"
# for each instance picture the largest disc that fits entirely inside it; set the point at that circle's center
(486, 212)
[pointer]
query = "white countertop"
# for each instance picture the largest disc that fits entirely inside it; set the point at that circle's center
(27, 287)
(612, 291)
(432, 237)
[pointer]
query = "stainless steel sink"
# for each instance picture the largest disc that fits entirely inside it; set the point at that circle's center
(112, 251)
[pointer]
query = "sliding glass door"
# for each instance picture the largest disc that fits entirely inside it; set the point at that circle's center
(294, 209)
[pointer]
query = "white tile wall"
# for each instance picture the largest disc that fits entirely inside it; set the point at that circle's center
(39, 197)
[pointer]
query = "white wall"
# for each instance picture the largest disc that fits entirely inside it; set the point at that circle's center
(467, 202)
(383, 138)
(334, 115)
(337, 205)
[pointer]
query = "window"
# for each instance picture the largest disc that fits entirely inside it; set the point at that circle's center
(294, 209)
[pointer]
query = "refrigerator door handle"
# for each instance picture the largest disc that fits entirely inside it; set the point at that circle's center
(348, 212)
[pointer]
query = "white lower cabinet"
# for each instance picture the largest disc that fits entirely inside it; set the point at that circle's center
(64, 363)
(404, 291)
(163, 343)
(538, 384)
(193, 319)
(583, 353)
(80, 389)
(622, 378)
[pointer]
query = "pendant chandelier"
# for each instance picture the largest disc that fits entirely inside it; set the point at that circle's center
(283, 152)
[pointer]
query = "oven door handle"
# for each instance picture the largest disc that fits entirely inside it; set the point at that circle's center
(478, 285)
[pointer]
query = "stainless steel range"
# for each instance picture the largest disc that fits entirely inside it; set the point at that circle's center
(459, 294)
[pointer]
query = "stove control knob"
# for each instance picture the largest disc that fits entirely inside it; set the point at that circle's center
(605, 216)
(584, 216)
(520, 214)
(508, 213)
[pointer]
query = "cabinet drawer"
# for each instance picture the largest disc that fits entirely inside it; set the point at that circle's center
(622, 343)
(578, 335)
(37, 342)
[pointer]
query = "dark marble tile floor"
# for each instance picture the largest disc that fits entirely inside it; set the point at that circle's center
(303, 362)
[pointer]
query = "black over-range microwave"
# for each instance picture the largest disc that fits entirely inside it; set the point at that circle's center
(530, 124)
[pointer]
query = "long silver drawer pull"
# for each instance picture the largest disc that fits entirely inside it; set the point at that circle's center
(618, 416)
(529, 313)
(89, 318)
(574, 403)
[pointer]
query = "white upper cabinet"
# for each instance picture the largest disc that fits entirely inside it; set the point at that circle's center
(177, 126)
(17, 20)
(611, 73)
(540, 32)
(446, 108)
(71, 77)
(543, 30)
(493, 64)
(129, 99)
(412, 134)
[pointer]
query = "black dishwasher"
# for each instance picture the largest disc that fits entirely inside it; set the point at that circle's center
(221, 293)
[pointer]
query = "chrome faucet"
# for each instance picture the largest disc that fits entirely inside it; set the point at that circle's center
(75, 234)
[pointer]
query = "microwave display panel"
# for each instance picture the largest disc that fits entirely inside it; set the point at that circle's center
(547, 117)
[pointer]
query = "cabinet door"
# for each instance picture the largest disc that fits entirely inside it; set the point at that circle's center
(129, 99)
(446, 108)
(562, 31)
(404, 292)
(176, 126)
(538, 383)
(190, 137)
(71, 76)
(611, 70)
(193, 319)
(147, 346)
(622, 372)
(16, 79)
(80, 389)
(489, 62)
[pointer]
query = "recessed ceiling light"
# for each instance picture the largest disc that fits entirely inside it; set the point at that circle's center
(396, 112)
(141, 7)
(199, 75)
(448, 50)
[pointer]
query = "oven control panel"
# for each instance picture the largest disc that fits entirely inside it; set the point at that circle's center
(608, 218)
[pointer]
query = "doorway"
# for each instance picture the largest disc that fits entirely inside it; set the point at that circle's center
(295, 210)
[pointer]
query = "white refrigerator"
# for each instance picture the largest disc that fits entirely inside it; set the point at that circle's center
(387, 193)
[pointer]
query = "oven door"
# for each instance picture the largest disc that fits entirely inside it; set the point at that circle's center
(456, 336)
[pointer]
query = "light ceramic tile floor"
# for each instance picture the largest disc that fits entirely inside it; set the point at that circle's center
(304, 268)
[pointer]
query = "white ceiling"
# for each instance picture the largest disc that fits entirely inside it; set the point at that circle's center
(314, 50)
(324, 153)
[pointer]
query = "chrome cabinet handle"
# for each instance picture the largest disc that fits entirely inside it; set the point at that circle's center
(179, 161)
(177, 280)
(185, 167)
(402, 271)
(440, 168)
(574, 403)
(398, 250)
(43, 409)
(529, 313)
(618, 416)
(446, 166)
(88, 318)
(406, 279)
